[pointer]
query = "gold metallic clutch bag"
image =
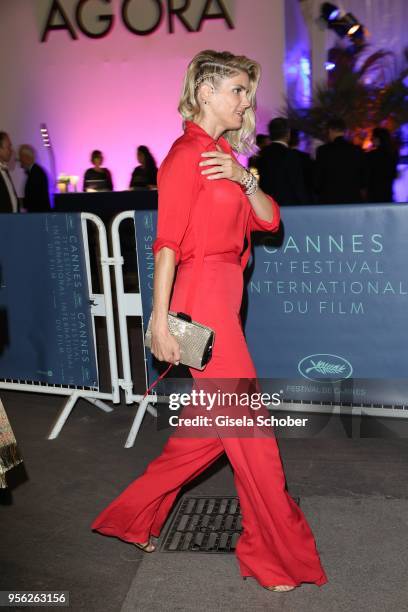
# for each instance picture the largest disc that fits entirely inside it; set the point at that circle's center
(195, 340)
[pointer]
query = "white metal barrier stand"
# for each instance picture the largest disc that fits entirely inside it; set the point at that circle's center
(129, 304)
(101, 305)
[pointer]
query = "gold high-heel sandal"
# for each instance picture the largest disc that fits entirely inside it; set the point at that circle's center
(145, 547)
(276, 589)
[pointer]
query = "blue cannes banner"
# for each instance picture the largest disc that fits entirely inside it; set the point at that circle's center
(45, 321)
(327, 302)
(145, 227)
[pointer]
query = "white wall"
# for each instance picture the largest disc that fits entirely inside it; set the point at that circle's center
(120, 91)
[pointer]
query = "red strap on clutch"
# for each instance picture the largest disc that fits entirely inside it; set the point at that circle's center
(157, 380)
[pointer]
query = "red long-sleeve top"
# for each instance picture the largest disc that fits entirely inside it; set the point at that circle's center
(183, 191)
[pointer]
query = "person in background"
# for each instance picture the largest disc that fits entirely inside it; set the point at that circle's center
(280, 170)
(382, 167)
(144, 175)
(307, 164)
(36, 194)
(262, 140)
(8, 196)
(341, 168)
(97, 178)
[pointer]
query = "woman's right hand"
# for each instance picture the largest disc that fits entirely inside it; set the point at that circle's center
(164, 346)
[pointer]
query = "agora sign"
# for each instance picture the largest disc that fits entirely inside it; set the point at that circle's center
(134, 21)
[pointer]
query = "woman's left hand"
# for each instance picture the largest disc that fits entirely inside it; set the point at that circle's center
(222, 165)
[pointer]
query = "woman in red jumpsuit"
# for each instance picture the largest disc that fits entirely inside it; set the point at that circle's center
(203, 205)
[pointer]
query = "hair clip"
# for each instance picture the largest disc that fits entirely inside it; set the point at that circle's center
(201, 79)
(209, 75)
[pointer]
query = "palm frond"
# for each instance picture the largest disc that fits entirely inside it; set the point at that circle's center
(376, 59)
(362, 104)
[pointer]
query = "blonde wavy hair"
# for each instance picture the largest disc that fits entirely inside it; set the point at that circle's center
(212, 66)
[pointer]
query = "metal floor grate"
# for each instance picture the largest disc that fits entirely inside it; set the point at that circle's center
(206, 525)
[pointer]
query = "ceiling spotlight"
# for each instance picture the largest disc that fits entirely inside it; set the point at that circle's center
(329, 11)
(344, 24)
(350, 24)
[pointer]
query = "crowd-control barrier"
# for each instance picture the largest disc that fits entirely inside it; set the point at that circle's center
(311, 338)
(325, 307)
(130, 304)
(46, 268)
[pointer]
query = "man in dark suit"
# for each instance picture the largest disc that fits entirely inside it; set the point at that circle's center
(307, 164)
(36, 195)
(280, 170)
(8, 195)
(341, 168)
(262, 140)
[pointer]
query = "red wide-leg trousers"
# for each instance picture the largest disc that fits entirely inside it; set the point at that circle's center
(277, 545)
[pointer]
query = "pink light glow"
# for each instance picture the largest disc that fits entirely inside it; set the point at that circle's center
(121, 91)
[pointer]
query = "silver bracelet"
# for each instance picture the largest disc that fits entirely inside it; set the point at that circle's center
(249, 183)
